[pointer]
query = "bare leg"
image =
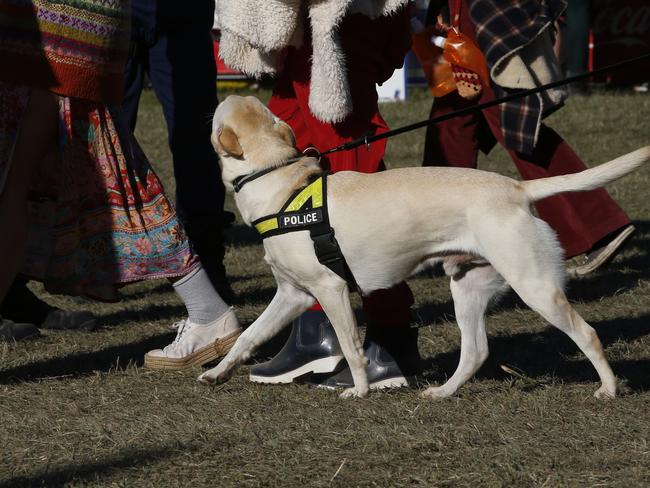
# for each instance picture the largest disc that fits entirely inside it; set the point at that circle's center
(287, 304)
(36, 139)
(472, 291)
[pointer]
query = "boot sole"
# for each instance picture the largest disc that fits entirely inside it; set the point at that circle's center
(324, 365)
(398, 382)
(605, 256)
(216, 350)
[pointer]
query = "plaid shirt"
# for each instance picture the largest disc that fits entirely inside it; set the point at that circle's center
(503, 27)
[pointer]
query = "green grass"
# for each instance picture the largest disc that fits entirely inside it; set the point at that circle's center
(77, 408)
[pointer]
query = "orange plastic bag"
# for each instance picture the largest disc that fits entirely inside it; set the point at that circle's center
(437, 69)
(460, 50)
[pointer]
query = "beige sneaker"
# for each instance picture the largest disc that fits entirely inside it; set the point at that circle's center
(196, 345)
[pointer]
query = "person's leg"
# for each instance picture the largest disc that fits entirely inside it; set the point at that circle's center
(207, 334)
(387, 339)
(134, 74)
(22, 305)
(183, 75)
(453, 142)
(37, 136)
(585, 217)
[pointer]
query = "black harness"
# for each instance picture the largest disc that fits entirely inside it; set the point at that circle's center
(306, 209)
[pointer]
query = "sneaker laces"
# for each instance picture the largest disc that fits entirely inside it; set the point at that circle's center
(181, 327)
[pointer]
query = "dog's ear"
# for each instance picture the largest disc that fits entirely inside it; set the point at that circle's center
(229, 141)
(285, 132)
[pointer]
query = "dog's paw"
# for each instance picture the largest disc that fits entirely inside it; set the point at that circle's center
(354, 393)
(215, 376)
(604, 393)
(436, 392)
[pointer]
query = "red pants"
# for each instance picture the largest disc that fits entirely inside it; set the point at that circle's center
(373, 48)
(579, 219)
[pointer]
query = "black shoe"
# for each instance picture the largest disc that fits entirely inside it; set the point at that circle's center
(21, 305)
(11, 331)
(312, 347)
(67, 320)
(392, 355)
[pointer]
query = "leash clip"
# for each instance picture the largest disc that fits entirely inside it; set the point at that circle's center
(311, 149)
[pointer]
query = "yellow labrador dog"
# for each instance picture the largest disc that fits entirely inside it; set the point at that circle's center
(390, 225)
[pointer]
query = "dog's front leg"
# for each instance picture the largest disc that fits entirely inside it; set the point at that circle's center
(336, 304)
(287, 304)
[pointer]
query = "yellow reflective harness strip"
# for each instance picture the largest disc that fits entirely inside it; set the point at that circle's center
(267, 225)
(313, 191)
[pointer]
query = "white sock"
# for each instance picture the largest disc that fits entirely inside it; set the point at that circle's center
(203, 303)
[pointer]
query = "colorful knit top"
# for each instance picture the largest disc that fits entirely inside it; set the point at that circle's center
(75, 48)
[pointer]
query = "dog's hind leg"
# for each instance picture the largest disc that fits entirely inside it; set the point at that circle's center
(336, 304)
(527, 256)
(552, 304)
(472, 287)
(287, 304)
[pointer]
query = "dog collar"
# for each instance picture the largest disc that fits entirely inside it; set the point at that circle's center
(240, 181)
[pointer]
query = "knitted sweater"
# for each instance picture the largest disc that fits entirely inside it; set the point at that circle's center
(75, 48)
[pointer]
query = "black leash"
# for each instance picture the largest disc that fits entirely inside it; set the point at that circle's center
(367, 139)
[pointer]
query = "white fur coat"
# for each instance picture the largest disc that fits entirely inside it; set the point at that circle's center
(254, 32)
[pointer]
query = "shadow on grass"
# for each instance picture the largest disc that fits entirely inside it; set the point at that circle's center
(85, 363)
(148, 313)
(552, 352)
(256, 296)
(87, 470)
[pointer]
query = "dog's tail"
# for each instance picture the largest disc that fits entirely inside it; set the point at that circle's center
(589, 179)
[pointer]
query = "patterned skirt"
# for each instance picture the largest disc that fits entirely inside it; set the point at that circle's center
(99, 217)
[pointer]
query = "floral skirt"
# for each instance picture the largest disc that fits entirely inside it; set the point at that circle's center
(99, 216)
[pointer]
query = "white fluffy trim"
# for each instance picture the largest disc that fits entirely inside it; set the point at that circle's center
(376, 8)
(329, 92)
(268, 24)
(237, 53)
(255, 31)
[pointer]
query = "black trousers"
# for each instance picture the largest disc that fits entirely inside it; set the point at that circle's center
(180, 65)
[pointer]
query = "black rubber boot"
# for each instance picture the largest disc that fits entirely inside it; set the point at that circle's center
(22, 306)
(12, 331)
(392, 355)
(312, 347)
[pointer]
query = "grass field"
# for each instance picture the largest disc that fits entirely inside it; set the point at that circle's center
(78, 409)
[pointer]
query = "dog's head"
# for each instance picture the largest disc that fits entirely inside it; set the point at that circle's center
(248, 137)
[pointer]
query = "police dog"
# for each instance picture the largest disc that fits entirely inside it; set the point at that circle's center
(394, 223)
